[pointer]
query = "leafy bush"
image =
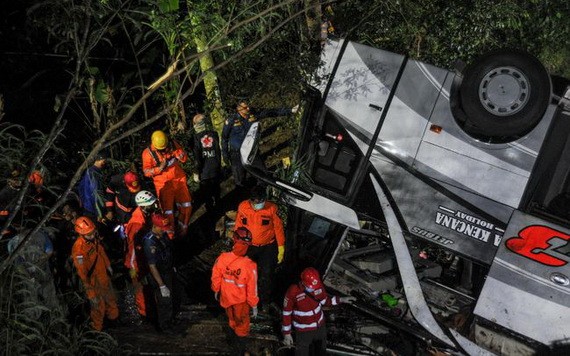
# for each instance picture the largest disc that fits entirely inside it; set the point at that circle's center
(31, 324)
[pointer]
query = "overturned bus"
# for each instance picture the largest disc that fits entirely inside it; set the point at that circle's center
(441, 199)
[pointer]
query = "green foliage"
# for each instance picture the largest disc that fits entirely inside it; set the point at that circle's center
(441, 32)
(270, 74)
(31, 325)
(297, 173)
(19, 146)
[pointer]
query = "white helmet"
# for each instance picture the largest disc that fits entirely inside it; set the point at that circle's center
(145, 198)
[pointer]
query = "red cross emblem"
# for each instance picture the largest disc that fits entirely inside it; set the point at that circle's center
(207, 141)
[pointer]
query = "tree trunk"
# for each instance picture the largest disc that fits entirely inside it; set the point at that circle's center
(313, 19)
(210, 79)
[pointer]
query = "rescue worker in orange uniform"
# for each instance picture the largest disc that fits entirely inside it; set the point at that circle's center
(94, 269)
(139, 224)
(234, 282)
(302, 309)
(268, 238)
(161, 162)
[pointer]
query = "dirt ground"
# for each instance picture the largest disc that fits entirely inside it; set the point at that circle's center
(202, 330)
(202, 324)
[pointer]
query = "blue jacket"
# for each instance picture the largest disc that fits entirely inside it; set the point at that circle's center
(236, 127)
(91, 192)
(158, 252)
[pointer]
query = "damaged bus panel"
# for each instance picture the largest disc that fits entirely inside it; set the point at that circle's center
(440, 198)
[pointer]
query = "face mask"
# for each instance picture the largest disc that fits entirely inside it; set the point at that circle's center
(258, 206)
(309, 290)
(148, 210)
(200, 127)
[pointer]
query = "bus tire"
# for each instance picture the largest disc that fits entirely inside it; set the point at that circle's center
(503, 95)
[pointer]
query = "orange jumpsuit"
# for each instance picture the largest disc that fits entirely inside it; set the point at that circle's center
(91, 263)
(265, 225)
(170, 182)
(267, 234)
(235, 277)
(137, 226)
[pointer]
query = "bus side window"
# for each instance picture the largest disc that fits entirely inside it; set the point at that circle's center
(551, 195)
(337, 158)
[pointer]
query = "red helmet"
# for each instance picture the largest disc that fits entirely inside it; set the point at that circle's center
(242, 234)
(36, 178)
(84, 225)
(132, 182)
(310, 278)
(161, 221)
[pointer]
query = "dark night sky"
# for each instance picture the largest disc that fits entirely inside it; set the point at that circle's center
(29, 76)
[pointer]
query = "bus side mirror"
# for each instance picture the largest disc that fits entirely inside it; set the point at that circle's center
(249, 146)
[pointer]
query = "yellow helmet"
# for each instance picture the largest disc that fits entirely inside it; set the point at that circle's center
(159, 140)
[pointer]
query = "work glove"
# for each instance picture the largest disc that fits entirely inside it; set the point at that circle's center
(254, 315)
(133, 273)
(280, 253)
(288, 340)
(196, 177)
(217, 296)
(295, 108)
(109, 216)
(164, 292)
(348, 300)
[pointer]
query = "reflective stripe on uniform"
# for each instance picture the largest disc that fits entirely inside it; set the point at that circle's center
(287, 312)
(122, 207)
(234, 282)
(186, 204)
(168, 212)
(307, 313)
(286, 328)
(311, 325)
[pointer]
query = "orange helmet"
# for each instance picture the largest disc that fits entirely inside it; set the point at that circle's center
(310, 278)
(84, 225)
(36, 178)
